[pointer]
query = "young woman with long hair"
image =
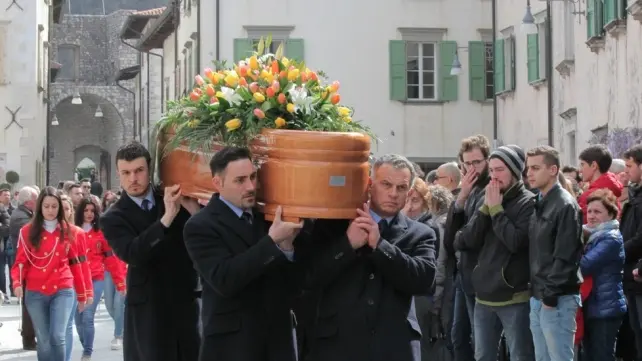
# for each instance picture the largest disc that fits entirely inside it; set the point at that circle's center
(68, 208)
(48, 260)
(100, 257)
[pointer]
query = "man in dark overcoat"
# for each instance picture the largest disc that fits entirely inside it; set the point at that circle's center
(145, 230)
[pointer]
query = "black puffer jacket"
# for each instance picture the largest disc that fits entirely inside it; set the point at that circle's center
(631, 229)
(555, 246)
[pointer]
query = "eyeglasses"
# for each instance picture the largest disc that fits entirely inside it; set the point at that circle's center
(475, 162)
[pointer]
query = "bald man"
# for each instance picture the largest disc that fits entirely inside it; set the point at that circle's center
(449, 176)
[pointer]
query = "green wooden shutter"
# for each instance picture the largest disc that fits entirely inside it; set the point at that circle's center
(447, 83)
(294, 49)
(242, 48)
(609, 11)
(498, 67)
(621, 9)
(513, 54)
(532, 43)
(477, 70)
(599, 17)
(590, 19)
(398, 62)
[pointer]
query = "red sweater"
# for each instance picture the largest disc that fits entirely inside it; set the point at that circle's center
(54, 265)
(102, 257)
(607, 180)
(79, 237)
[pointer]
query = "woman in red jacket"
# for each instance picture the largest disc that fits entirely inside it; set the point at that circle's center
(68, 208)
(100, 257)
(48, 259)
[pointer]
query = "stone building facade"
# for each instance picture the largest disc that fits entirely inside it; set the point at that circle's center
(92, 57)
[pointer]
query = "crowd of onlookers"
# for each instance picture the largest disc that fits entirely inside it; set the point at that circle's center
(513, 277)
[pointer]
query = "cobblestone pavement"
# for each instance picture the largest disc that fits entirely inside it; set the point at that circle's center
(11, 342)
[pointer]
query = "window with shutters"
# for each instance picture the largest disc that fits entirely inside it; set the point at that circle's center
(505, 75)
(421, 65)
(69, 57)
(595, 24)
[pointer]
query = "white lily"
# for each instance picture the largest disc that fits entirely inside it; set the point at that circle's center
(300, 98)
(231, 96)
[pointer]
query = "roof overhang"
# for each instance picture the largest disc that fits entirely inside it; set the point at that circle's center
(128, 73)
(136, 22)
(56, 7)
(160, 30)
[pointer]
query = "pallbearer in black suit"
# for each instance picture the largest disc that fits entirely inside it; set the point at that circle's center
(366, 273)
(246, 298)
(145, 230)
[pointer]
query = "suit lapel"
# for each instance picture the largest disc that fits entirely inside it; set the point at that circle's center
(398, 228)
(231, 221)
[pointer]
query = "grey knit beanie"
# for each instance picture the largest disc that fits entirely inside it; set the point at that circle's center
(513, 156)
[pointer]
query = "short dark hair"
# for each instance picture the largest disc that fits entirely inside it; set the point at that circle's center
(61, 184)
(635, 153)
(85, 180)
(225, 156)
(551, 155)
(432, 176)
(96, 189)
(80, 213)
(476, 141)
(571, 169)
(5, 190)
(599, 154)
(133, 150)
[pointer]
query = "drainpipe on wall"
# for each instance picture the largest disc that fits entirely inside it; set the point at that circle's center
(218, 29)
(549, 73)
(495, 115)
(48, 128)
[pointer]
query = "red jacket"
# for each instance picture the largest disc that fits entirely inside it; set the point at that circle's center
(102, 257)
(585, 291)
(79, 236)
(54, 265)
(607, 180)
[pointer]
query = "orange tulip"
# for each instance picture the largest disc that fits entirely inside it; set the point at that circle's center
(276, 86)
(282, 98)
(243, 70)
(313, 76)
(270, 92)
(242, 82)
(283, 74)
(199, 80)
(208, 73)
(304, 77)
(194, 96)
(209, 90)
(275, 67)
(279, 122)
(213, 100)
(254, 87)
(198, 91)
(335, 85)
(335, 99)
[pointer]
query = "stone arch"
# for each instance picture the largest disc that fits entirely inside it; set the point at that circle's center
(81, 134)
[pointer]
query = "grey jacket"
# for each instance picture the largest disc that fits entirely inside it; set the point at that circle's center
(19, 218)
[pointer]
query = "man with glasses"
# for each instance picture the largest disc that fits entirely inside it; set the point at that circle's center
(473, 154)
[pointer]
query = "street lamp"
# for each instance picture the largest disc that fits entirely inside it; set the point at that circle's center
(528, 22)
(54, 120)
(99, 112)
(455, 69)
(76, 100)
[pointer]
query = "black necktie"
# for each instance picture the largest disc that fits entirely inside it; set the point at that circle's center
(246, 217)
(384, 227)
(145, 204)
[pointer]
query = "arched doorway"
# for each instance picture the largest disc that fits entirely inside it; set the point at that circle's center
(93, 129)
(86, 168)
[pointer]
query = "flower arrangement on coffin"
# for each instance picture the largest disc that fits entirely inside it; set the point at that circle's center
(286, 114)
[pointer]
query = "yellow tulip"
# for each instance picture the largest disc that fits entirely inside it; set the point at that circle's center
(279, 122)
(193, 123)
(344, 111)
(232, 79)
(285, 61)
(260, 98)
(290, 108)
(233, 124)
(293, 74)
(347, 119)
(267, 76)
(254, 62)
(219, 94)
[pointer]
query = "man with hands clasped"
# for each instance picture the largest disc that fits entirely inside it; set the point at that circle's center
(365, 274)
(247, 272)
(499, 233)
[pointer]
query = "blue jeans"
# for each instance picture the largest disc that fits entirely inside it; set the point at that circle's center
(514, 321)
(85, 321)
(115, 304)
(69, 334)
(600, 335)
(49, 315)
(554, 328)
(462, 330)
